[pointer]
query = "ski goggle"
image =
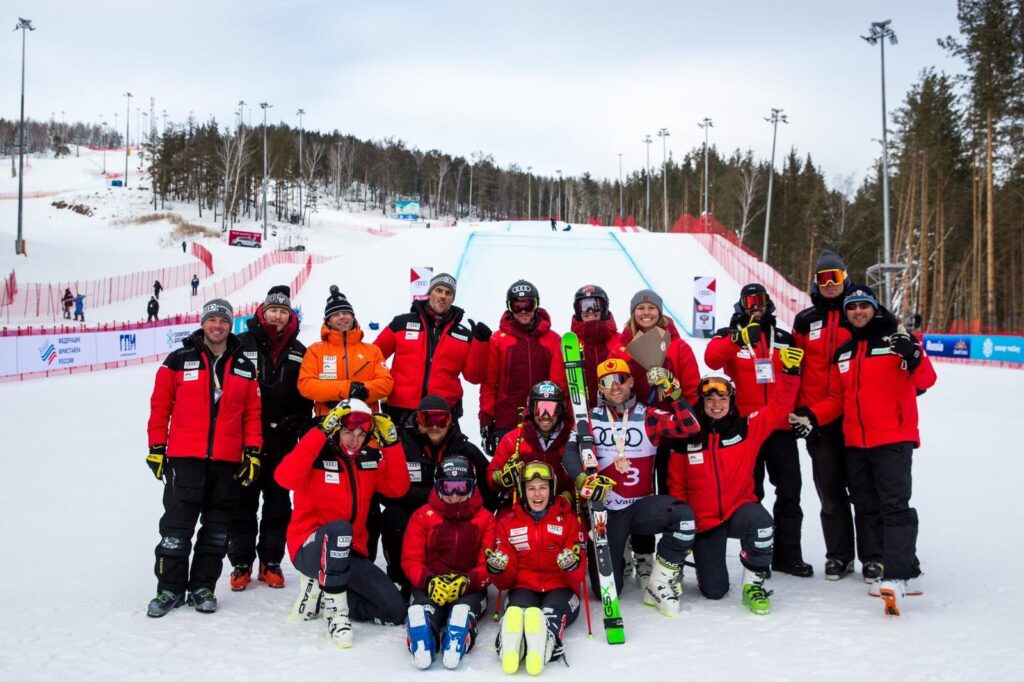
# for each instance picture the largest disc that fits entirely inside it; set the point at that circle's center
(538, 469)
(832, 276)
(591, 305)
(751, 301)
(523, 305)
(434, 418)
(357, 420)
(714, 386)
(455, 487)
(546, 408)
(610, 380)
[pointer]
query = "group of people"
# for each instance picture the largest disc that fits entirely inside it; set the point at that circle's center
(352, 456)
(75, 301)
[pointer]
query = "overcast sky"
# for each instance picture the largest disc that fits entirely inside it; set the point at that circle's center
(554, 85)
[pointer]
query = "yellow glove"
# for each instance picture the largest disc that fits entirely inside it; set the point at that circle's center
(506, 476)
(444, 589)
(666, 383)
(496, 560)
(156, 459)
(569, 558)
(791, 358)
(332, 420)
(593, 486)
(384, 429)
(747, 336)
(249, 471)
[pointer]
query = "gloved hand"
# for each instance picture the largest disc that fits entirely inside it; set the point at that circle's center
(156, 459)
(444, 589)
(250, 469)
(384, 430)
(902, 344)
(507, 476)
(593, 487)
(357, 391)
(791, 357)
(332, 420)
(748, 335)
(569, 558)
(666, 383)
(481, 332)
(488, 439)
(497, 560)
(803, 422)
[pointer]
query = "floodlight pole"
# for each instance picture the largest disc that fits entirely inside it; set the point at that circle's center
(774, 119)
(127, 134)
(620, 184)
(647, 174)
(559, 194)
(19, 242)
(706, 124)
(529, 192)
(264, 106)
(302, 213)
(663, 134)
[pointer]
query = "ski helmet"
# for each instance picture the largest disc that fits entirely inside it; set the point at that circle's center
(455, 475)
(533, 470)
(752, 296)
(590, 291)
(715, 384)
(360, 416)
(545, 391)
(521, 290)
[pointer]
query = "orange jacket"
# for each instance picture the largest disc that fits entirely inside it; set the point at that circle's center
(330, 367)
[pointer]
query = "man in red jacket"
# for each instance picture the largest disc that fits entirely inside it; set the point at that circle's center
(204, 436)
(334, 472)
(876, 377)
(432, 347)
(523, 351)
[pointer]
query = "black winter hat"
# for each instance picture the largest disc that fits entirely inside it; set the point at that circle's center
(828, 260)
(434, 402)
(860, 292)
(279, 296)
(337, 303)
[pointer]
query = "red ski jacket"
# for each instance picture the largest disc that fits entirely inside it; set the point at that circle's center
(715, 475)
(739, 363)
(330, 486)
(598, 339)
(819, 331)
(184, 414)
(530, 450)
(518, 359)
(679, 359)
(340, 358)
(873, 389)
(533, 545)
(447, 538)
(430, 353)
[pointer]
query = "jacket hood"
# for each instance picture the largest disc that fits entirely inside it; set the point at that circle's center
(541, 324)
(599, 331)
(336, 338)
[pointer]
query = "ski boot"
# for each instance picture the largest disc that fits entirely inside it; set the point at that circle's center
(663, 589)
(164, 602)
(643, 565)
(798, 568)
(240, 577)
(420, 637)
(510, 640)
(540, 642)
(335, 610)
(872, 571)
(892, 593)
(202, 600)
(837, 570)
(270, 573)
(458, 636)
(307, 606)
(755, 597)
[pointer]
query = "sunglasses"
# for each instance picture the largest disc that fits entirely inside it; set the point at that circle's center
(751, 301)
(356, 420)
(591, 305)
(523, 305)
(859, 305)
(832, 276)
(609, 380)
(715, 386)
(434, 418)
(546, 408)
(455, 487)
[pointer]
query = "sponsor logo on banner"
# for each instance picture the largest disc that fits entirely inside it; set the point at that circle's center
(48, 352)
(126, 343)
(704, 296)
(419, 280)
(174, 338)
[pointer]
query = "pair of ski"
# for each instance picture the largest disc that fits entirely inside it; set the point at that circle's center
(612, 615)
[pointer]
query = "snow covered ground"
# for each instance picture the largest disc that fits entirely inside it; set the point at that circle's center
(79, 516)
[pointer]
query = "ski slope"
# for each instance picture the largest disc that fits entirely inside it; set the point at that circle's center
(78, 515)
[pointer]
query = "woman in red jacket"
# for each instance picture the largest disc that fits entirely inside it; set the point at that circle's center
(715, 476)
(334, 472)
(594, 324)
(535, 555)
(442, 556)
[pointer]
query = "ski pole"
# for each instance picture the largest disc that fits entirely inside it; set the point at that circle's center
(497, 607)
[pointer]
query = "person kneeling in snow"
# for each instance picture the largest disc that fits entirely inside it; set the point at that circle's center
(715, 476)
(334, 472)
(535, 555)
(442, 556)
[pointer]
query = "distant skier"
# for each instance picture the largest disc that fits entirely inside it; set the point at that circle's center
(152, 309)
(195, 284)
(80, 307)
(157, 288)
(68, 300)
(554, 227)
(184, 245)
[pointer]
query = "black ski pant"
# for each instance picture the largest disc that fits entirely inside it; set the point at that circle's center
(648, 515)
(751, 524)
(838, 522)
(394, 521)
(327, 557)
(437, 616)
(644, 544)
(561, 607)
(780, 456)
(195, 491)
(272, 525)
(880, 486)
